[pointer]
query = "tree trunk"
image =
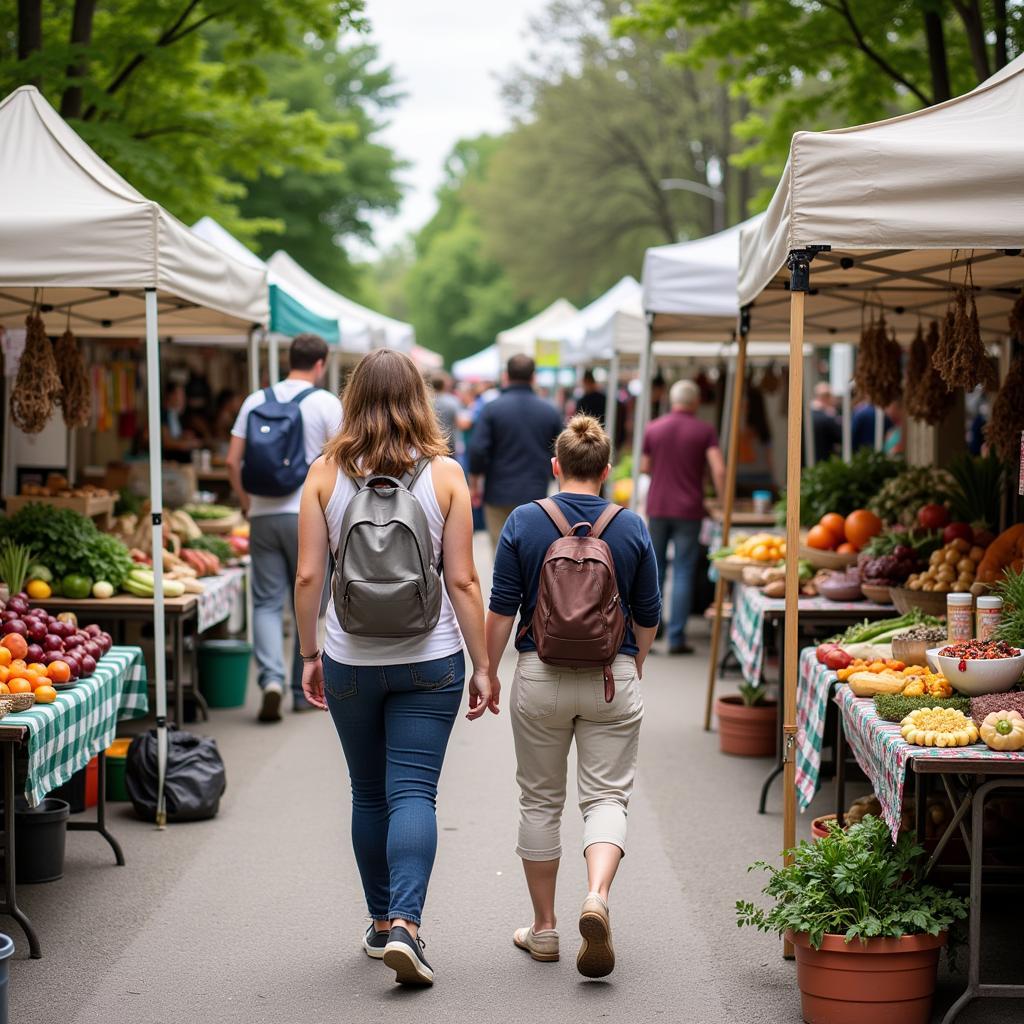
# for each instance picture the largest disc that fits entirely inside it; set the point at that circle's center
(974, 25)
(937, 61)
(999, 6)
(81, 35)
(30, 30)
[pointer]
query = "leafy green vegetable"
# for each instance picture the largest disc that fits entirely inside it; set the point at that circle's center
(833, 485)
(900, 497)
(978, 491)
(68, 543)
(128, 504)
(855, 883)
(1011, 589)
(200, 512)
(882, 629)
(894, 707)
(924, 542)
(215, 545)
(15, 560)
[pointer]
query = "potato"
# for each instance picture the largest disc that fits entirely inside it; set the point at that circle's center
(977, 553)
(935, 558)
(951, 556)
(965, 565)
(914, 584)
(947, 574)
(928, 587)
(943, 588)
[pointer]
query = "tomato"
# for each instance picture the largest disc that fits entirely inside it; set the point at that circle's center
(835, 524)
(861, 526)
(822, 538)
(837, 659)
(932, 517)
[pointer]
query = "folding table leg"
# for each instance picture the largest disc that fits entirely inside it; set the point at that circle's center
(100, 824)
(780, 739)
(10, 894)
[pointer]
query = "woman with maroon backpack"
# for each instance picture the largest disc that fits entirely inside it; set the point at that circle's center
(582, 576)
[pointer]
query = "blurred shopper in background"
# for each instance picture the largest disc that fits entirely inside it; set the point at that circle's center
(828, 431)
(449, 411)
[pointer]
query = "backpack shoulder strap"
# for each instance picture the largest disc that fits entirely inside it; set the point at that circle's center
(268, 395)
(302, 395)
(554, 513)
(604, 519)
(414, 474)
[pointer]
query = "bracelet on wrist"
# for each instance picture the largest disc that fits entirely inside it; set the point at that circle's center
(307, 658)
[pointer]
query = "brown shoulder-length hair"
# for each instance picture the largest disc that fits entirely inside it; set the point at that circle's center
(388, 418)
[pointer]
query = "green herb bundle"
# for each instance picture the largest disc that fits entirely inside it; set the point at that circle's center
(214, 545)
(894, 707)
(1011, 589)
(15, 560)
(978, 491)
(855, 883)
(900, 497)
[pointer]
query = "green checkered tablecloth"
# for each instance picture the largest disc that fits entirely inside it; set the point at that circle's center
(814, 686)
(65, 735)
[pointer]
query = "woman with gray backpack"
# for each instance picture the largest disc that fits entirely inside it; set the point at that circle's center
(386, 501)
(581, 574)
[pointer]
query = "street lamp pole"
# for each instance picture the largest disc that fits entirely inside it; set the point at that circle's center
(716, 195)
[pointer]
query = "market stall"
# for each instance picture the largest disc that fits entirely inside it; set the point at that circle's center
(481, 367)
(84, 251)
(909, 219)
(523, 338)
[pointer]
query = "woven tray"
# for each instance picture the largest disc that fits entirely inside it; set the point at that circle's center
(879, 595)
(927, 601)
(825, 559)
(19, 701)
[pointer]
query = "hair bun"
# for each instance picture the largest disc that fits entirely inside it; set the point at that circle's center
(585, 427)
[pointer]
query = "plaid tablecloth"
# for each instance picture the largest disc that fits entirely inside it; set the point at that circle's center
(883, 754)
(814, 684)
(65, 735)
(222, 595)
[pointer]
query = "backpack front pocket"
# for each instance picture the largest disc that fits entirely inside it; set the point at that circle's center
(384, 608)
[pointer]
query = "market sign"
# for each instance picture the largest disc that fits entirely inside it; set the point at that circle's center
(548, 353)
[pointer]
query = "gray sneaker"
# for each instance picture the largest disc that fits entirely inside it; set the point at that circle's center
(404, 955)
(374, 942)
(270, 706)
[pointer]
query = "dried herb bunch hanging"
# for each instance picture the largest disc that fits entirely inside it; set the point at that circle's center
(926, 396)
(74, 381)
(960, 357)
(878, 375)
(37, 385)
(1004, 428)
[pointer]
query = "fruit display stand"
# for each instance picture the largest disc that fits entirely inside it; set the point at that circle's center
(93, 506)
(969, 775)
(60, 739)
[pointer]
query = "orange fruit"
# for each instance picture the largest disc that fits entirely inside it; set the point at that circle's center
(16, 644)
(3, 689)
(59, 671)
(45, 694)
(38, 667)
(17, 670)
(5, 656)
(4, 673)
(34, 680)
(822, 538)
(19, 686)
(861, 526)
(846, 548)
(835, 524)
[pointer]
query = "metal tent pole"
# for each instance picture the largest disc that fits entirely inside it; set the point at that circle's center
(274, 358)
(847, 425)
(643, 404)
(611, 413)
(156, 500)
(334, 372)
(810, 455)
(879, 429)
(732, 457)
(254, 360)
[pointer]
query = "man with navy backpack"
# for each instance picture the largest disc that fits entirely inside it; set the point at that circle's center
(280, 431)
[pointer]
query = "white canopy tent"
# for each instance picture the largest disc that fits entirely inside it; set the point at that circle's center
(384, 331)
(484, 365)
(523, 338)
(90, 252)
(888, 214)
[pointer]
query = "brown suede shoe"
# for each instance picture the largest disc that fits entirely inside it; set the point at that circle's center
(596, 958)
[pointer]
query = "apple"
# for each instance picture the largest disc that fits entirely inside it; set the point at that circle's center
(52, 642)
(72, 641)
(92, 649)
(16, 604)
(93, 630)
(88, 666)
(8, 616)
(51, 656)
(106, 642)
(36, 629)
(34, 653)
(14, 626)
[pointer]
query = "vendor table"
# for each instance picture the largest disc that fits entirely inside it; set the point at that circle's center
(743, 514)
(814, 688)
(62, 738)
(754, 614)
(969, 775)
(222, 595)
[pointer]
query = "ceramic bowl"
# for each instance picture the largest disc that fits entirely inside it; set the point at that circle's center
(996, 675)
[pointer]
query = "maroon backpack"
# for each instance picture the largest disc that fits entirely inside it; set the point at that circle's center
(578, 621)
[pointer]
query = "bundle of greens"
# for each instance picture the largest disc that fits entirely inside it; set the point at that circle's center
(900, 496)
(883, 630)
(215, 545)
(837, 486)
(1011, 589)
(894, 707)
(977, 494)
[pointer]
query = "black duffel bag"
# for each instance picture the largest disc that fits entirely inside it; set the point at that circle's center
(195, 779)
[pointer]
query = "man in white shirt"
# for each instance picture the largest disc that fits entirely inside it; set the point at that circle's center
(274, 521)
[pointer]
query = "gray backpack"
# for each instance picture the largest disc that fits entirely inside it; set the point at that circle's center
(385, 581)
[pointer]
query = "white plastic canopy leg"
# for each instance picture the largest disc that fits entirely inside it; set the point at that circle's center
(879, 429)
(156, 500)
(273, 359)
(640, 412)
(611, 405)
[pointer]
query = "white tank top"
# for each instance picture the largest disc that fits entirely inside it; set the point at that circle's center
(442, 641)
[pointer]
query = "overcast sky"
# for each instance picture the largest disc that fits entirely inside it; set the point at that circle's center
(445, 54)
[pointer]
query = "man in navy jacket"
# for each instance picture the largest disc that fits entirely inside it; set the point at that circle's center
(512, 445)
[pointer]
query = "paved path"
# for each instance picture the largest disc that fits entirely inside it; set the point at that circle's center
(257, 915)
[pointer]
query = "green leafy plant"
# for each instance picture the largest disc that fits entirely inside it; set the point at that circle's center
(753, 694)
(856, 883)
(900, 497)
(978, 489)
(15, 560)
(214, 545)
(1011, 589)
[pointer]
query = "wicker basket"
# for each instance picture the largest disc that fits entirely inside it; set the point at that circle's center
(5, 706)
(877, 594)
(826, 559)
(20, 701)
(730, 569)
(928, 601)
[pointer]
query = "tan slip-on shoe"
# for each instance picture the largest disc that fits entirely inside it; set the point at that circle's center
(596, 958)
(541, 946)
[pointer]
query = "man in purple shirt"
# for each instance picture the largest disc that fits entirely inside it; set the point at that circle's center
(678, 451)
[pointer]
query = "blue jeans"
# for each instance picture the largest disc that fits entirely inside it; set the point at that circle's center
(685, 537)
(394, 722)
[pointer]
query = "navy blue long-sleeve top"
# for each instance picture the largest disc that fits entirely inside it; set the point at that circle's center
(513, 441)
(524, 542)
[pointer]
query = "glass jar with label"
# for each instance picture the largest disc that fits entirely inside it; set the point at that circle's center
(989, 615)
(959, 617)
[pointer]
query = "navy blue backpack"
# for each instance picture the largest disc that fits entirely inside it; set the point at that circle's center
(275, 447)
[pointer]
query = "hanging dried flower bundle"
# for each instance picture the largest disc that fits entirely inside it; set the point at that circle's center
(926, 396)
(1004, 428)
(37, 386)
(878, 374)
(74, 380)
(960, 357)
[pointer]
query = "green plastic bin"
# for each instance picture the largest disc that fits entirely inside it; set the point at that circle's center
(117, 757)
(224, 672)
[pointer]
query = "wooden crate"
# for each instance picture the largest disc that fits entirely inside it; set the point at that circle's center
(93, 506)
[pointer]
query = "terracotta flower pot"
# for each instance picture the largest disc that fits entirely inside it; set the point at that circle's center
(746, 731)
(819, 826)
(885, 981)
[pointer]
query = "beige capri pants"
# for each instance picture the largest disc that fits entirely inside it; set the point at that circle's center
(550, 707)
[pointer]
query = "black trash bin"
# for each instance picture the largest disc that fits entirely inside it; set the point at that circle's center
(6, 950)
(39, 840)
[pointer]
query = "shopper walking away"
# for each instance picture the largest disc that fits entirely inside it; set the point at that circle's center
(278, 433)
(559, 694)
(450, 412)
(678, 450)
(392, 507)
(593, 401)
(825, 425)
(509, 458)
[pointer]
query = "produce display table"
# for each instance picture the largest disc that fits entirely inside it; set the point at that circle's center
(62, 738)
(223, 594)
(814, 688)
(969, 774)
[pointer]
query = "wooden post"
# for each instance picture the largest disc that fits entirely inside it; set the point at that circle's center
(641, 411)
(739, 373)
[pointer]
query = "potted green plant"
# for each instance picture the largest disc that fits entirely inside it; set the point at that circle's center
(747, 722)
(866, 929)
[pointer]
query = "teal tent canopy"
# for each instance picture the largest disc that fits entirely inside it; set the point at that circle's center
(289, 317)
